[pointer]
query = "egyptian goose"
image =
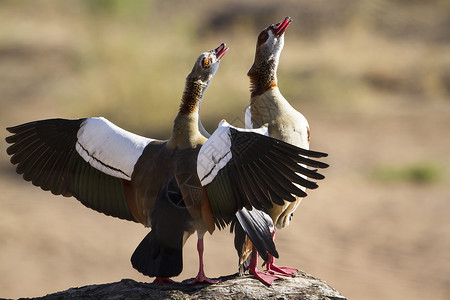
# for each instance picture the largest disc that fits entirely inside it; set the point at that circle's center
(125, 175)
(177, 186)
(269, 108)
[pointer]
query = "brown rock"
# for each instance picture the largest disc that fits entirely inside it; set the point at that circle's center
(303, 286)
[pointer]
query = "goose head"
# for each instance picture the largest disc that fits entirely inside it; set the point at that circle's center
(270, 41)
(269, 44)
(206, 65)
(199, 78)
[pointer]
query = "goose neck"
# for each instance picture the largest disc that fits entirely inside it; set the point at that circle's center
(263, 76)
(186, 131)
(192, 96)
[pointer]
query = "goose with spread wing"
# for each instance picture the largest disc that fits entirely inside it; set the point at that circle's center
(128, 176)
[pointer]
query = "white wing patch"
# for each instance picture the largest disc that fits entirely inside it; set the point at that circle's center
(261, 130)
(109, 148)
(214, 154)
(248, 118)
(264, 130)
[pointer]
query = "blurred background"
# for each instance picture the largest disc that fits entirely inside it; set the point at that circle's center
(372, 77)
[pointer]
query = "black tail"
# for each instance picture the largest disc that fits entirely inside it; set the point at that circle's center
(154, 260)
(160, 253)
(256, 225)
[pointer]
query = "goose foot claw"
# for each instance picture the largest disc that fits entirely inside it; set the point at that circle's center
(276, 270)
(201, 277)
(264, 277)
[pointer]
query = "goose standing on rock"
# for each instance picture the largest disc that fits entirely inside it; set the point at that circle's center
(124, 175)
(177, 186)
(268, 108)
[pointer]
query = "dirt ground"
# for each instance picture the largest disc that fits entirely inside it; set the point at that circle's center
(378, 226)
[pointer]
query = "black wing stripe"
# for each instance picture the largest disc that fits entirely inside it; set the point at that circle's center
(101, 162)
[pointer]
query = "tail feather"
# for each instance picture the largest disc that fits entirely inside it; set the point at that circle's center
(160, 254)
(257, 225)
(243, 247)
(154, 260)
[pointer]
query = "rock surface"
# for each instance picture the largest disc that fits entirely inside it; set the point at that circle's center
(303, 286)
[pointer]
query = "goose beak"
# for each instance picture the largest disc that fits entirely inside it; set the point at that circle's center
(281, 27)
(220, 51)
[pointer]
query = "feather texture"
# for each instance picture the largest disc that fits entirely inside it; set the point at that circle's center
(257, 224)
(44, 152)
(241, 168)
(160, 252)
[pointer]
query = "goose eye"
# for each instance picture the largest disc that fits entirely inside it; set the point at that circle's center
(263, 36)
(206, 62)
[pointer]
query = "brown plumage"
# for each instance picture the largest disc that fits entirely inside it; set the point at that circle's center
(162, 191)
(262, 77)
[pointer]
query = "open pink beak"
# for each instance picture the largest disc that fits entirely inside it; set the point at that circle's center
(281, 27)
(220, 51)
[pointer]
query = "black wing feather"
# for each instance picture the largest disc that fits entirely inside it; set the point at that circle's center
(277, 175)
(264, 171)
(44, 152)
(273, 182)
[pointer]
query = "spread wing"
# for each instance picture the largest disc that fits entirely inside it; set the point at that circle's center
(90, 159)
(241, 168)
